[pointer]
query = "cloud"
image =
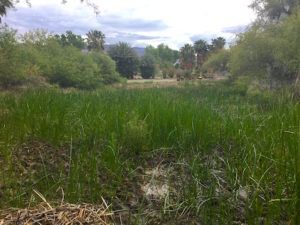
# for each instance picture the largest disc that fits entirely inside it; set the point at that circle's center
(131, 38)
(48, 17)
(235, 29)
(54, 19)
(205, 37)
(131, 24)
(139, 22)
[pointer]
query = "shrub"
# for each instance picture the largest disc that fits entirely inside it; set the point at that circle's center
(147, 66)
(40, 55)
(107, 68)
(217, 62)
(12, 67)
(69, 67)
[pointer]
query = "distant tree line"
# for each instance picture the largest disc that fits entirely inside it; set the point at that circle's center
(268, 51)
(39, 58)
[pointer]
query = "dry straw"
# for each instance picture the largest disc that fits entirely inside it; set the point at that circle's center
(63, 214)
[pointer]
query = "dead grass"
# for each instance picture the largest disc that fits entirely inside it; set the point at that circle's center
(63, 214)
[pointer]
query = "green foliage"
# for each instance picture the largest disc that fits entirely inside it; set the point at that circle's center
(136, 137)
(217, 62)
(126, 59)
(147, 66)
(107, 68)
(169, 71)
(164, 56)
(209, 141)
(12, 66)
(71, 68)
(202, 50)
(40, 55)
(4, 5)
(95, 40)
(70, 39)
(268, 51)
(274, 9)
(217, 44)
(187, 57)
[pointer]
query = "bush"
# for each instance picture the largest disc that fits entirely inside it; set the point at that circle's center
(269, 51)
(107, 68)
(179, 73)
(217, 62)
(69, 67)
(147, 66)
(168, 71)
(12, 67)
(40, 57)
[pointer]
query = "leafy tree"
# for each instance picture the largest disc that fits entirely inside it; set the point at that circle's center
(268, 52)
(187, 57)
(217, 44)
(274, 9)
(126, 59)
(36, 37)
(95, 40)
(164, 55)
(217, 62)
(147, 66)
(70, 39)
(202, 49)
(4, 5)
(12, 70)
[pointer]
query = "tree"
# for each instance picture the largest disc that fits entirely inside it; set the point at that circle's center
(70, 39)
(4, 5)
(217, 44)
(202, 49)
(147, 66)
(95, 40)
(37, 37)
(11, 61)
(187, 57)
(217, 62)
(126, 59)
(163, 54)
(274, 9)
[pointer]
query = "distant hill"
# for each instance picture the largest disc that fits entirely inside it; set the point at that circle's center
(139, 50)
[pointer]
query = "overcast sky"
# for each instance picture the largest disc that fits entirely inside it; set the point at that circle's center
(139, 22)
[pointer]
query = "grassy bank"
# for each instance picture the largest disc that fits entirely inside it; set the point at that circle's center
(224, 157)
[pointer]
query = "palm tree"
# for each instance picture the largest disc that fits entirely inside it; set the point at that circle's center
(95, 40)
(202, 49)
(218, 44)
(4, 5)
(187, 57)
